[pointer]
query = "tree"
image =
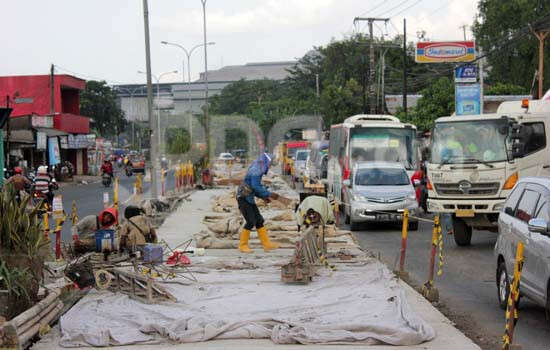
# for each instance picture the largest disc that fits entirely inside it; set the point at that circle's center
(178, 141)
(437, 100)
(99, 102)
(498, 24)
(506, 89)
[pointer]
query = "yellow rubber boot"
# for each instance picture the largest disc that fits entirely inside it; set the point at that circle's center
(264, 238)
(243, 244)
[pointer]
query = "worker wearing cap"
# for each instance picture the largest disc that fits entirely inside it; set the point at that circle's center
(84, 231)
(250, 188)
(137, 230)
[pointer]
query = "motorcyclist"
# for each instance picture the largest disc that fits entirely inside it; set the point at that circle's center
(18, 180)
(107, 168)
(45, 184)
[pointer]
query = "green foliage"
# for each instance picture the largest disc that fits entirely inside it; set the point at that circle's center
(99, 102)
(235, 139)
(20, 230)
(340, 102)
(512, 61)
(506, 89)
(438, 100)
(178, 141)
(14, 280)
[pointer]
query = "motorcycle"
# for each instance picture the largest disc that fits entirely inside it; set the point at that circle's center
(106, 180)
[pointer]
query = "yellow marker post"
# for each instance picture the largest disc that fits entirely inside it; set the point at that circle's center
(115, 194)
(46, 225)
(162, 180)
(513, 297)
(404, 234)
(74, 215)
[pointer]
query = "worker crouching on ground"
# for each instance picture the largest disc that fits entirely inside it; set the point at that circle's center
(136, 231)
(314, 211)
(84, 231)
(252, 187)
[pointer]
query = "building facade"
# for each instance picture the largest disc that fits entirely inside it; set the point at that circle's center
(45, 126)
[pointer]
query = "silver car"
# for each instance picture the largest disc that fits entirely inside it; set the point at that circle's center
(379, 192)
(525, 218)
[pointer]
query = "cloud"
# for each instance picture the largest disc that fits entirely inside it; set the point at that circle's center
(266, 16)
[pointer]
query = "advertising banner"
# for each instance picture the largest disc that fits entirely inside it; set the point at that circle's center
(53, 151)
(41, 140)
(467, 99)
(466, 74)
(63, 141)
(445, 51)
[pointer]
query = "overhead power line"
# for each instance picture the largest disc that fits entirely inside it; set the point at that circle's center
(393, 8)
(374, 8)
(407, 8)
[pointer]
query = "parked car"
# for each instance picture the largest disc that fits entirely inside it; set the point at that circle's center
(379, 192)
(525, 218)
(300, 161)
(226, 157)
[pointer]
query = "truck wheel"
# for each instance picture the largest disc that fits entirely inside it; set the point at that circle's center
(413, 226)
(353, 226)
(348, 219)
(503, 286)
(462, 233)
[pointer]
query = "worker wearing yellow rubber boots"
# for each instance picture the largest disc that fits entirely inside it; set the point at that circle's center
(252, 187)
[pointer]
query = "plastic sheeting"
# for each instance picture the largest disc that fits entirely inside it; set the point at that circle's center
(358, 303)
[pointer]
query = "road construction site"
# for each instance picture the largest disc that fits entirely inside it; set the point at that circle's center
(227, 299)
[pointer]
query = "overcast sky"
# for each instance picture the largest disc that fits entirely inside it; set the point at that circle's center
(104, 39)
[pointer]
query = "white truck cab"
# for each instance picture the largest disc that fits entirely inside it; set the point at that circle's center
(476, 160)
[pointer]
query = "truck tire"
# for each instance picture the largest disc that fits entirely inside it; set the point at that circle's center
(353, 226)
(348, 219)
(413, 226)
(462, 233)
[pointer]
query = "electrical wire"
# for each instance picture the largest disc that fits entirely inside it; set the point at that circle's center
(374, 8)
(86, 76)
(393, 8)
(407, 8)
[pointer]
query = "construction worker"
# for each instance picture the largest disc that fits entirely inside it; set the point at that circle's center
(252, 187)
(136, 231)
(314, 211)
(84, 231)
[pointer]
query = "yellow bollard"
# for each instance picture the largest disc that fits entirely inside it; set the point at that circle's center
(513, 297)
(46, 224)
(115, 194)
(139, 184)
(428, 290)
(404, 234)
(74, 215)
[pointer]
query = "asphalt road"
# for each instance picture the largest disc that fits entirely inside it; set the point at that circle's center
(467, 288)
(89, 197)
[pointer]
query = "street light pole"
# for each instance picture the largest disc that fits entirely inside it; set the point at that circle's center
(188, 54)
(206, 119)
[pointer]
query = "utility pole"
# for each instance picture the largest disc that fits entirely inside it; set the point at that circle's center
(370, 21)
(541, 34)
(152, 125)
(481, 90)
(405, 66)
(206, 118)
(463, 27)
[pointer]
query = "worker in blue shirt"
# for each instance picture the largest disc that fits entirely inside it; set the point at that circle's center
(252, 187)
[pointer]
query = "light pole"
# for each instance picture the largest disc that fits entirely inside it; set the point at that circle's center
(188, 54)
(158, 99)
(206, 120)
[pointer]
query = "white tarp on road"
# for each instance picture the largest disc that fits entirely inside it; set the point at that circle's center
(358, 303)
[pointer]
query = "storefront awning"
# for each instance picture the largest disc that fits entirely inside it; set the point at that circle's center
(19, 136)
(51, 132)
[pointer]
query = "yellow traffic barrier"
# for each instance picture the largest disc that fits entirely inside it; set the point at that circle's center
(513, 297)
(139, 184)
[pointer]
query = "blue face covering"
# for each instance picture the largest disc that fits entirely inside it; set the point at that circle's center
(262, 162)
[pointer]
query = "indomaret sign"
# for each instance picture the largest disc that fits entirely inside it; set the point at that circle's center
(445, 51)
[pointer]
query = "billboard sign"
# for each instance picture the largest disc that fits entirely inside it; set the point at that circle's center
(445, 51)
(53, 151)
(467, 99)
(466, 74)
(41, 142)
